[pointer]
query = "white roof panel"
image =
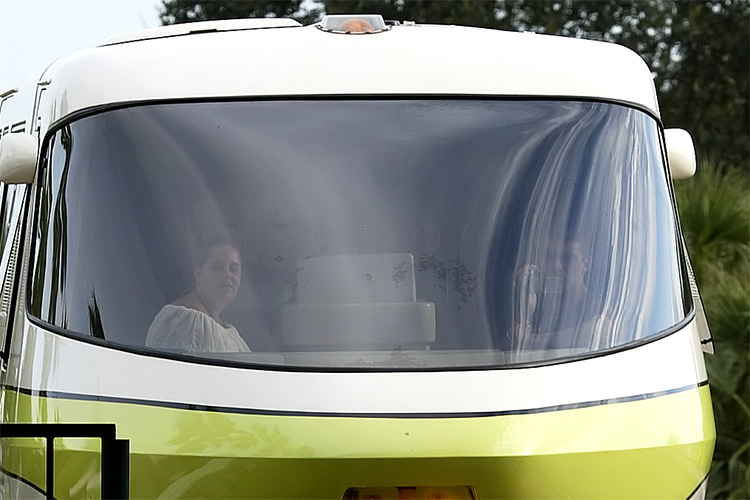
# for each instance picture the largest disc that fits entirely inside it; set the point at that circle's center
(426, 60)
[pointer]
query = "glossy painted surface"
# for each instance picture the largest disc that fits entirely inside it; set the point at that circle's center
(668, 364)
(654, 448)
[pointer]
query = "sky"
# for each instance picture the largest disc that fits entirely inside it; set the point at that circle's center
(33, 33)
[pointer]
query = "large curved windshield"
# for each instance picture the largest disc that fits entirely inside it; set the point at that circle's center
(359, 233)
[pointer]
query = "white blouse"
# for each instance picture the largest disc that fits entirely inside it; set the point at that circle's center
(179, 327)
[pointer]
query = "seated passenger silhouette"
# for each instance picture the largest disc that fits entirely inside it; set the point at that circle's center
(557, 309)
(193, 322)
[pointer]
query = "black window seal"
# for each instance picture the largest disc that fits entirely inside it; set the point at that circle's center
(143, 351)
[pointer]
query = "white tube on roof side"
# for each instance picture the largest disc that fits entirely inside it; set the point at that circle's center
(202, 27)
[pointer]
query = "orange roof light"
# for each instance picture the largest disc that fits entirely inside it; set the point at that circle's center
(350, 24)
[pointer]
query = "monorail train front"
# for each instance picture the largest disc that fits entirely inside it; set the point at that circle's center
(357, 295)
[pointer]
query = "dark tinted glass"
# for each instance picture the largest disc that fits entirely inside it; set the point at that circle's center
(360, 233)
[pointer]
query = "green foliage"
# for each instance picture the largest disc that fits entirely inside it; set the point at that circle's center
(186, 11)
(715, 215)
(707, 89)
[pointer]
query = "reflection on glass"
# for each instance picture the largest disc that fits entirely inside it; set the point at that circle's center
(406, 233)
(52, 239)
(556, 307)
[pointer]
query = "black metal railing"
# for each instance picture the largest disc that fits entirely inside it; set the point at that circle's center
(115, 469)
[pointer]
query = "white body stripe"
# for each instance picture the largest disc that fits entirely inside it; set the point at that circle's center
(58, 364)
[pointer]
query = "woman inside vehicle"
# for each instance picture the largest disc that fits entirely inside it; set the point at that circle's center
(193, 322)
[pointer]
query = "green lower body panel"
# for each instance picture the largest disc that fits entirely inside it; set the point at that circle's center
(632, 474)
(654, 448)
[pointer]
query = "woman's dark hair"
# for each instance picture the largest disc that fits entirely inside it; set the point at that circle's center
(202, 249)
